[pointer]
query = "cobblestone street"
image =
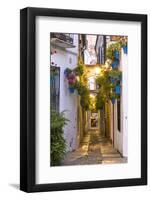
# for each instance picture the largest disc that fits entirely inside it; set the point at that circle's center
(93, 150)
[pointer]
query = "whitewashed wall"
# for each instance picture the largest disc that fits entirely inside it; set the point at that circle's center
(111, 122)
(67, 58)
(121, 138)
(124, 64)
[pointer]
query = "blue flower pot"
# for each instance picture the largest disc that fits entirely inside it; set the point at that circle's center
(118, 89)
(113, 80)
(116, 54)
(120, 78)
(125, 49)
(66, 73)
(115, 64)
(71, 90)
(113, 100)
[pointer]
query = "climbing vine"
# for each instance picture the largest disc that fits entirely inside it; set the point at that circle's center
(111, 52)
(109, 86)
(77, 80)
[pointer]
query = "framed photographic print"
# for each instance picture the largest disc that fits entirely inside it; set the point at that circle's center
(83, 99)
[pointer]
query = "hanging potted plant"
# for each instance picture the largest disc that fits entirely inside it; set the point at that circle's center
(115, 63)
(113, 97)
(125, 49)
(116, 54)
(71, 82)
(115, 75)
(124, 44)
(67, 71)
(113, 53)
(117, 89)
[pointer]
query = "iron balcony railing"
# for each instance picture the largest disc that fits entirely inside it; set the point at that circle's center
(62, 36)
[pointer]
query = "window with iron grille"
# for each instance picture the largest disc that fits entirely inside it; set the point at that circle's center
(54, 88)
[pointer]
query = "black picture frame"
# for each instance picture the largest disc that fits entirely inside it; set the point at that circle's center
(28, 98)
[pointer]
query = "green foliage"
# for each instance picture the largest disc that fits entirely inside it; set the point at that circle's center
(115, 74)
(79, 70)
(104, 90)
(111, 49)
(85, 102)
(81, 88)
(67, 71)
(100, 101)
(115, 96)
(84, 92)
(58, 144)
(123, 41)
(107, 83)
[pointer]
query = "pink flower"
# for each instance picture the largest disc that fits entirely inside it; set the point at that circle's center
(71, 76)
(71, 81)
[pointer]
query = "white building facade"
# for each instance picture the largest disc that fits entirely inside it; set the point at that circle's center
(121, 136)
(64, 54)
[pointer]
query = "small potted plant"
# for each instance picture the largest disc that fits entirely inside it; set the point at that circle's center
(115, 63)
(113, 53)
(71, 82)
(117, 89)
(112, 97)
(124, 44)
(67, 71)
(115, 76)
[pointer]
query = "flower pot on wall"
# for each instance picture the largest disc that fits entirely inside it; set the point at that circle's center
(113, 80)
(118, 89)
(125, 49)
(67, 71)
(71, 90)
(116, 54)
(115, 64)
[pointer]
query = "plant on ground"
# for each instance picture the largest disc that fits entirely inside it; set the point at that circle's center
(58, 144)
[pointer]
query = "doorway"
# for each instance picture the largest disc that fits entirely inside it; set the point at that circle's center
(94, 120)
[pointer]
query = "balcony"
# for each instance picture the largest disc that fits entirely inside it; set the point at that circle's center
(62, 40)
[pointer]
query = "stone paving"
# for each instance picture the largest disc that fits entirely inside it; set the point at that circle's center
(93, 150)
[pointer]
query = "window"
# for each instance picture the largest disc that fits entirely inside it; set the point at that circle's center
(54, 88)
(94, 119)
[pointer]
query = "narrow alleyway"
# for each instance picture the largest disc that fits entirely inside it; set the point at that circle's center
(93, 150)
